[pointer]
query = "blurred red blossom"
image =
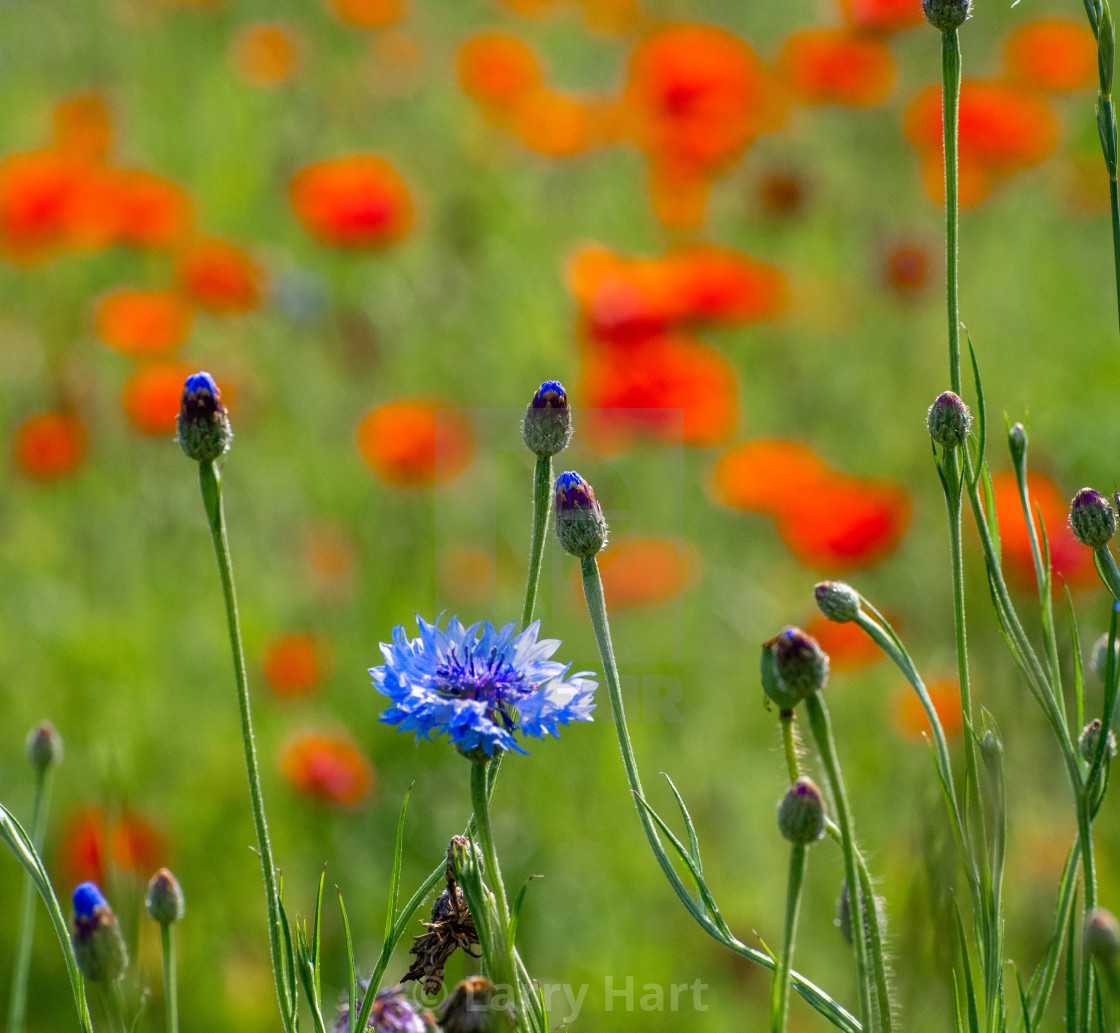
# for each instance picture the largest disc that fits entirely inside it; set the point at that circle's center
(327, 767)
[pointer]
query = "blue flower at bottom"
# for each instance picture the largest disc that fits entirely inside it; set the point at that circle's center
(479, 684)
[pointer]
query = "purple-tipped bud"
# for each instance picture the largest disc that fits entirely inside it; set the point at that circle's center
(474, 1007)
(793, 667)
(947, 15)
(948, 420)
(580, 525)
(837, 601)
(1102, 935)
(1089, 738)
(165, 898)
(204, 430)
(44, 746)
(96, 935)
(1091, 518)
(547, 427)
(392, 1012)
(801, 813)
(1098, 658)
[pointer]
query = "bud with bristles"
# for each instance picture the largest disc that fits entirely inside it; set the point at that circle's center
(44, 746)
(947, 15)
(96, 935)
(1091, 518)
(838, 601)
(793, 667)
(203, 426)
(547, 427)
(165, 898)
(801, 813)
(580, 524)
(1017, 443)
(1089, 738)
(948, 420)
(1102, 935)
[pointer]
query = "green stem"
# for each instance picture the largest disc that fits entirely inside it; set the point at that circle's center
(822, 734)
(789, 745)
(210, 480)
(22, 967)
(170, 979)
(950, 103)
(114, 1006)
(542, 507)
(779, 986)
(480, 799)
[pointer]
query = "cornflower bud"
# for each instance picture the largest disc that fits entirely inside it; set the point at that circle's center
(1091, 518)
(204, 430)
(948, 420)
(547, 427)
(580, 525)
(44, 746)
(947, 15)
(793, 667)
(837, 601)
(1102, 935)
(1098, 658)
(98, 945)
(165, 898)
(1089, 738)
(801, 813)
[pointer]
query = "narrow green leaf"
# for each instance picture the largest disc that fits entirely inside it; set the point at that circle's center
(351, 978)
(316, 940)
(693, 840)
(1071, 979)
(515, 911)
(286, 929)
(1024, 1002)
(981, 411)
(958, 1019)
(1042, 982)
(395, 878)
(966, 967)
(1078, 668)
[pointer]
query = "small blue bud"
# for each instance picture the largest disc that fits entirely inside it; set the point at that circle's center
(547, 427)
(98, 945)
(165, 898)
(580, 524)
(204, 430)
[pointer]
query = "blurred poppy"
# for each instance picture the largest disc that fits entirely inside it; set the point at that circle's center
(49, 445)
(468, 574)
(152, 212)
(1056, 54)
(265, 53)
(219, 276)
(38, 191)
(882, 15)
(906, 268)
(497, 69)
(82, 128)
(848, 646)
(553, 124)
(359, 201)
(837, 66)
(326, 767)
(1070, 561)
(717, 285)
(151, 397)
(415, 444)
(332, 561)
(645, 572)
(140, 322)
(767, 476)
(91, 844)
(367, 14)
(293, 664)
(673, 389)
(910, 716)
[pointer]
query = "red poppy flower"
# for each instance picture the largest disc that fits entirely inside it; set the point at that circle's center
(219, 276)
(838, 66)
(327, 768)
(293, 664)
(50, 445)
(497, 69)
(848, 646)
(151, 398)
(883, 15)
(769, 477)
(90, 844)
(38, 192)
(645, 572)
(554, 124)
(1057, 54)
(415, 444)
(910, 715)
(143, 322)
(359, 201)
(151, 211)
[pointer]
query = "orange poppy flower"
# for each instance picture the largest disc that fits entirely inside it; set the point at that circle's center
(906, 268)
(698, 95)
(90, 844)
(497, 69)
(645, 572)
(151, 211)
(82, 128)
(673, 389)
(151, 397)
(367, 14)
(882, 15)
(265, 54)
(1056, 54)
(359, 201)
(415, 444)
(553, 124)
(838, 66)
(1070, 561)
(717, 285)
(50, 445)
(293, 664)
(38, 190)
(848, 646)
(143, 322)
(623, 300)
(326, 767)
(769, 477)
(910, 715)
(219, 276)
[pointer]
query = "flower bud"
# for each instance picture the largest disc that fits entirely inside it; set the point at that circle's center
(392, 1012)
(165, 898)
(1091, 518)
(947, 15)
(580, 525)
(948, 420)
(458, 851)
(1102, 935)
(1017, 443)
(801, 813)
(204, 430)
(547, 427)
(473, 1007)
(837, 601)
(793, 667)
(96, 935)
(1089, 738)
(843, 920)
(1098, 658)
(44, 746)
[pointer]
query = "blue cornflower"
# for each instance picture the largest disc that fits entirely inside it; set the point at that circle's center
(479, 685)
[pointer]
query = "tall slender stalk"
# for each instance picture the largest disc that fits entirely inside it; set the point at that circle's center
(779, 986)
(210, 481)
(950, 112)
(170, 977)
(542, 506)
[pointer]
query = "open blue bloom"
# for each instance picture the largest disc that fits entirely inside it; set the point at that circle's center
(479, 685)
